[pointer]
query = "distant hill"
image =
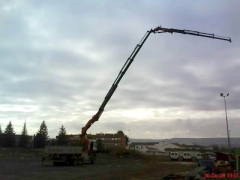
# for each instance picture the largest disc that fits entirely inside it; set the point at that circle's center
(221, 142)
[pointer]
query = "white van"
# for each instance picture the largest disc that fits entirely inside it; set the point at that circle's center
(199, 156)
(174, 156)
(186, 156)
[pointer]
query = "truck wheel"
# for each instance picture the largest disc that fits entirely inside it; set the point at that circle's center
(93, 159)
(80, 161)
(55, 163)
(75, 162)
(67, 163)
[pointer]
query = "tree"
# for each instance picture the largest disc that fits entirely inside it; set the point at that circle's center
(39, 141)
(44, 131)
(41, 137)
(53, 142)
(120, 132)
(99, 144)
(24, 139)
(62, 136)
(1, 137)
(9, 136)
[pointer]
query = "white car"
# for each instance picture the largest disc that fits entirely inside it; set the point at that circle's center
(174, 156)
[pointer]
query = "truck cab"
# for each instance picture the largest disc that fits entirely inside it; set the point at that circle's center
(212, 157)
(94, 146)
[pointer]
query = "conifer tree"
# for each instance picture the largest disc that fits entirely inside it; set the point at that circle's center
(41, 137)
(62, 136)
(24, 139)
(44, 131)
(9, 136)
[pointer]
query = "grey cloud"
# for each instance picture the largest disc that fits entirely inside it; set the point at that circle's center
(65, 56)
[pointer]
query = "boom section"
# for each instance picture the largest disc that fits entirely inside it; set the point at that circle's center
(190, 32)
(124, 69)
(115, 84)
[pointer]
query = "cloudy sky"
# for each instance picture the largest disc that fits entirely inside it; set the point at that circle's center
(59, 58)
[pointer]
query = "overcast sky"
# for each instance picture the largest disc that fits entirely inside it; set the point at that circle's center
(59, 58)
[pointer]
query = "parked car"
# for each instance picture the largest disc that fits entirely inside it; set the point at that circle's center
(174, 156)
(199, 156)
(186, 156)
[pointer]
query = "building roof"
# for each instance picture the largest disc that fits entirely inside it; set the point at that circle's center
(143, 143)
(185, 149)
(188, 146)
(151, 148)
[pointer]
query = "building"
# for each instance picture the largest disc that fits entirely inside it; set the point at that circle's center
(141, 145)
(112, 141)
(109, 141)
(158, 148)
(145, 148)
(176, 147)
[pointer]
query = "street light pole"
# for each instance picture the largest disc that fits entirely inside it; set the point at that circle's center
(129, 135)
(229, 150)
(229, 138)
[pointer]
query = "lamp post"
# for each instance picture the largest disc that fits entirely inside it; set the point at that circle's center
(229, 151)
(229, 138)
(129, 135)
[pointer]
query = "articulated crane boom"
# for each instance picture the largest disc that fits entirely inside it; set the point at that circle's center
(189, 32)
(129, 62)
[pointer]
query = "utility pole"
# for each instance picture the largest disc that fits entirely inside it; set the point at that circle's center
(229, 150)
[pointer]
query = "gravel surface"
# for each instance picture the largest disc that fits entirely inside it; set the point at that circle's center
(106, 167)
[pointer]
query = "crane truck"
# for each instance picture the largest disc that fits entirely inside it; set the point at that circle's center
(86, 153)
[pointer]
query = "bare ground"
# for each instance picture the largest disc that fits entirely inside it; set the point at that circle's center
(106, 167)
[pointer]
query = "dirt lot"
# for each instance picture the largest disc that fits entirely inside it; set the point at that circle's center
(106, 167)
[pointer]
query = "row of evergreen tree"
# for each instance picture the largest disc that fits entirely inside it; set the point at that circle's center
(8, 138)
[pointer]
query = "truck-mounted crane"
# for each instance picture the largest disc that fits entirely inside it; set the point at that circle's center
(78, 155)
